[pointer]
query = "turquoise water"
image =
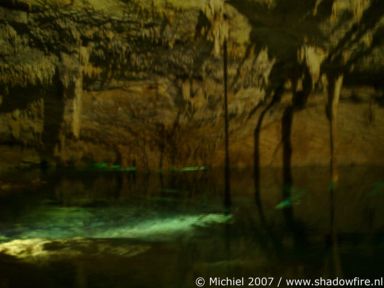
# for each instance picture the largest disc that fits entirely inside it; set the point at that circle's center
(109, 222)
(114, 229)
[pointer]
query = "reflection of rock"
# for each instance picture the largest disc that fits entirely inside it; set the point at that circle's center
(36, 250)
(20, 185)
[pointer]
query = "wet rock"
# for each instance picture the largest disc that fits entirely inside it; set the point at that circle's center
(142, 82)
(43, 250)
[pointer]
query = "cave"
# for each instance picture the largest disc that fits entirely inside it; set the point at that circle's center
(191, 143)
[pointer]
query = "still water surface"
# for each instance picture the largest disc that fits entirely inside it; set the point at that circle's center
(112, 229)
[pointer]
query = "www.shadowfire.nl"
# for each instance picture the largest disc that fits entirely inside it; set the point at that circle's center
(336, 282)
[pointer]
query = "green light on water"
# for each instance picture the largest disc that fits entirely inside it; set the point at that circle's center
(65, 238)
(295, 198)
(66, 222)
(164, 227)
(189, 169)
(284, 204)
(101, 165)
(193, 169)
(113, 167)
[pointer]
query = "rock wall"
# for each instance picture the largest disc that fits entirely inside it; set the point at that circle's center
(141, 82)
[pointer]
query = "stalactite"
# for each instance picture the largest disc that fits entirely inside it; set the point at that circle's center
(218, 32)
(71, 77)
(252, 77)
(90, 71)
(263, 66)
(316, 7)
(336, 83)
(312, 57)
(356, 7)
(359, 6)
(23, 66)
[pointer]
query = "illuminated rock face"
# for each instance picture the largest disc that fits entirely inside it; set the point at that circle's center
(141, 82)
(43, 250)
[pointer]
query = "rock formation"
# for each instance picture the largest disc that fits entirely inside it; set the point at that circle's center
(140, 82)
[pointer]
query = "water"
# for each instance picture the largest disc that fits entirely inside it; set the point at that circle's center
(73, 228)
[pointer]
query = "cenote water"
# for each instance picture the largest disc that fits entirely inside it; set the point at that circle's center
(127, 229)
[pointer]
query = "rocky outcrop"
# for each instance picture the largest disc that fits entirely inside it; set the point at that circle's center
(141, 82)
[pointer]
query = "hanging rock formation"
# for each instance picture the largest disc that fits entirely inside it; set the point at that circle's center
(141, 83)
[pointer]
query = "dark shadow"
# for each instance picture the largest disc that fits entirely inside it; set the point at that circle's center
(53, 120)
(15, 5)
(121, 182)
(283, 27)
(18, 98)
(371, 17)
(17, 273)
(332, 239)
(256, 160)
(286, 125)
(298, 102)
(286, 24)
(271, 239)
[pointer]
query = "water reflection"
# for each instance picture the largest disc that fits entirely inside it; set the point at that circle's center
(335, 261)
(112, 229)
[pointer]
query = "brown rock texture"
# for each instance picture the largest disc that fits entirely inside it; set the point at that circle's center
(141, 82)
